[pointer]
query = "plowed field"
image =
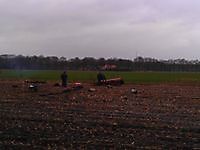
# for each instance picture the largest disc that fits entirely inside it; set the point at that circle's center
(159, 116)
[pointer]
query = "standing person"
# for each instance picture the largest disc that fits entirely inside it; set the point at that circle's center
(64, 79)
(101, 78)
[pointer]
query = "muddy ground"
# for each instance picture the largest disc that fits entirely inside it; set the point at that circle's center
(159, 116)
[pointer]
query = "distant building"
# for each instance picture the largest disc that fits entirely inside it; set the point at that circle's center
(7, 56)
(109, 67)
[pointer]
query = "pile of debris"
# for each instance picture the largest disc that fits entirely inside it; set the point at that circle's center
(114, 81)
(33, 84)
(73, 87)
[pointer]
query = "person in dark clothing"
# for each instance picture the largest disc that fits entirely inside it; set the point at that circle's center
(64, 79)
(101, 78)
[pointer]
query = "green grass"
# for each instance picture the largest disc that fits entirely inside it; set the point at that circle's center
(90, 76)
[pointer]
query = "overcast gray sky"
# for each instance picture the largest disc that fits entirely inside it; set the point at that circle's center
(101, 28)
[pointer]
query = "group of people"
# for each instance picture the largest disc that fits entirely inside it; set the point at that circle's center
(100, 78)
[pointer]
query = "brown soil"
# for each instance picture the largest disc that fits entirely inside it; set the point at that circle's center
(159, 116)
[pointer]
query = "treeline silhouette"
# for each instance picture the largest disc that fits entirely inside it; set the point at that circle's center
(90, 63)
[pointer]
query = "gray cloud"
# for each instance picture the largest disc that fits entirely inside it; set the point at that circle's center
(101, 28)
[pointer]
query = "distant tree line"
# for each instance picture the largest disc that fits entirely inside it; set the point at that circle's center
(90, 63)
